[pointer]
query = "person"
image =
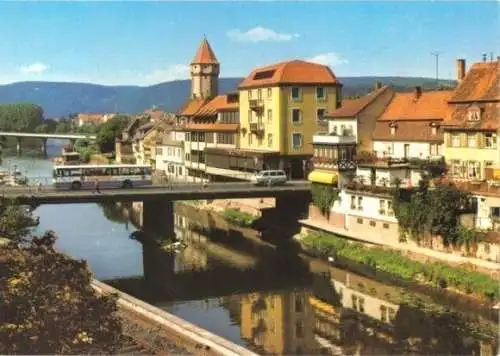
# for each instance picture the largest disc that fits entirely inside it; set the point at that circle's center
(40, 185)
(97, 186)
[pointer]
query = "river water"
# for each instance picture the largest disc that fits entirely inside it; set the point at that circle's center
(264, 296)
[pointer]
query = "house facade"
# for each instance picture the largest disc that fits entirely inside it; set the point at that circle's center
(170, 156)
(411, 127)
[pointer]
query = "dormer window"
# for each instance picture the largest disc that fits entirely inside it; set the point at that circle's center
(393, 126)
(474, 113)
(434, 128)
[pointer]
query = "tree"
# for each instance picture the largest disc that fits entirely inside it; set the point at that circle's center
(109, 131)
(42, 128)
(51, 124)
(20, 117)
(48, 306)
(63, 126)
(15, 222)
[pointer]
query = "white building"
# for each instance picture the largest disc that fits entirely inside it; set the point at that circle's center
(411, 125)
(170, 156)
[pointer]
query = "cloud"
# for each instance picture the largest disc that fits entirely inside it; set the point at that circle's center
(35, 68)
(260, 34)
(329, 59)
(171, 72)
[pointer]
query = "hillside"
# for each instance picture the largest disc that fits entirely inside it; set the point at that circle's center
(61, 99)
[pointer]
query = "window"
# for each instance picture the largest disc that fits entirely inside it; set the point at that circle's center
(353, 202)
(299, 304)
(390, 212)
(187, 157)
(269, 116)
(320, 93)
(259, 94)
(250, 94)
(433, 149)
(249, 139)
(296, 116)
(249, 115)
(270, 140)
(360, 203)
(383, 313)
(359, 221)
(381, 209)
(320, 114)
(295, 93)
(385, 226)
(455, 140)
(299, 329)
(471, 140)
(159, 151)
(373, 223)
(393, 130)
(490, 140)
(297, 140)
(269, 93)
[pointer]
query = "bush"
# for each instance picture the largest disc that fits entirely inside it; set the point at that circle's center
(239, 217)
(393, 262)
(48, 305)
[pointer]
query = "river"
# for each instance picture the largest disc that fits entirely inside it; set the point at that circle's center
(266, 297)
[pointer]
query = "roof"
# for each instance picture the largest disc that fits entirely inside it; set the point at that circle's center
(410, 131)
(291, 72)
(192, 106)
(430, 105)
(90, 117)
(219, 103)
(155, 114)
(481, 83)
(205, 54)
(490, 116)
(352, 107)
(212, 127)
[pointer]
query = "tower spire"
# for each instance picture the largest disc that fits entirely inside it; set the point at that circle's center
(205, 54)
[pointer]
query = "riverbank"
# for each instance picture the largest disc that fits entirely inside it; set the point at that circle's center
(375, 258)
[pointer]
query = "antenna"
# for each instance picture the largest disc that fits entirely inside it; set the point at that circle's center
(436, 55)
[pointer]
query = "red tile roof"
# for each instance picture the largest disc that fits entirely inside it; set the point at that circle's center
(430, 105)
(192, 106)
(219, 103)
(409, 131)
(291, 72)
(481, 83)
(205, 54)
(490, 116)
(352, 107)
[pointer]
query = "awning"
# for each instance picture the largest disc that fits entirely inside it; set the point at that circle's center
(323, 177)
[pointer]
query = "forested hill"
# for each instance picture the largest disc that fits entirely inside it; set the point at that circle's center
(61, 99)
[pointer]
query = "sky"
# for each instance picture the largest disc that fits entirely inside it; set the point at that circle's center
(144, 43)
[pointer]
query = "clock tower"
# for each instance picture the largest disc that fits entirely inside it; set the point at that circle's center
(204, 73)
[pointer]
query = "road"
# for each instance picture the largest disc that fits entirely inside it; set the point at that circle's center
(176, 191)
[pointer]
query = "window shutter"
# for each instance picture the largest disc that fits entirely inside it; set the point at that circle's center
(480, 140)
(463, 140)
(447, 139)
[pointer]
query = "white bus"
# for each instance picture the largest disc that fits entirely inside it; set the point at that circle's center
(77, 177)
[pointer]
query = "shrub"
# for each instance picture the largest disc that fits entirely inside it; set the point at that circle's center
(238, 217)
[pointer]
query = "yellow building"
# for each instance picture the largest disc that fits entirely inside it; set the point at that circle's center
(281, 107)
(471, 135)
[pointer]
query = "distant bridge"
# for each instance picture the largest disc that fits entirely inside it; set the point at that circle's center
(46, 136)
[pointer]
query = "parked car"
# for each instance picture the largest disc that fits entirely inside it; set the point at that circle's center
(271, 177)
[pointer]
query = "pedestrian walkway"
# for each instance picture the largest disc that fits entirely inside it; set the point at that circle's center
(443, 256)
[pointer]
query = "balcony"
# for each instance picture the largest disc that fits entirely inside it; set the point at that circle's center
(257, 128)
(256, 105)
(334, 139)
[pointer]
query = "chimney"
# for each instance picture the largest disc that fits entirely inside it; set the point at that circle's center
(418, 92)
(377, 85)
(460, 69)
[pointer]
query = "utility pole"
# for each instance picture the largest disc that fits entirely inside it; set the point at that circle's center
(436, 55)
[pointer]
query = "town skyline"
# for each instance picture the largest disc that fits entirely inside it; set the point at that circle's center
(80, 43)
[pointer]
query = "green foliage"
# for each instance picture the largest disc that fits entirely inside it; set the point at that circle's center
(324, 196)
(20, 117)
(431, 211)
(47, 305)
(393, 262)
(239, 217)
(109, 131)
(63, 126)
(15, 222)
(42, 128)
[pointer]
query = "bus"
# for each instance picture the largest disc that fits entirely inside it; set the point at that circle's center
(76, 177)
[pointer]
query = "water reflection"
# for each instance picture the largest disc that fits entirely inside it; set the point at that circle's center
(270, 299)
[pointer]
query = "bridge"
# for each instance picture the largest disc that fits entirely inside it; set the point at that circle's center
(44, 137)
(292, 199)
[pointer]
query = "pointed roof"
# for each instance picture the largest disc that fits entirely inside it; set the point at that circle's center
(205, 55)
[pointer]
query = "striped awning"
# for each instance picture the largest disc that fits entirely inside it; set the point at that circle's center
(323, 177)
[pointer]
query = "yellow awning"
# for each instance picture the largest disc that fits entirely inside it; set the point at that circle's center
(323, 177)
(496, 173)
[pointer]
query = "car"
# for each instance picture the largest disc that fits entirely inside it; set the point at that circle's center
(269, 177)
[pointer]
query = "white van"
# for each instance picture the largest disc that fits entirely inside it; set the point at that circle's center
(269, 177)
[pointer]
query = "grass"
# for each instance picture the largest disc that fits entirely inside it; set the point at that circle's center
(239, 217)
(436, 273)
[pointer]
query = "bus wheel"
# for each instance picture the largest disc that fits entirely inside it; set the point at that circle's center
(127, 184)
(76, 186)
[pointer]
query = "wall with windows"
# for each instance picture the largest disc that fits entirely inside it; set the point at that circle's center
(347, 127)
(401, 149)
(170, 161)
(289, 116)
(385, 176)
(469, 153)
